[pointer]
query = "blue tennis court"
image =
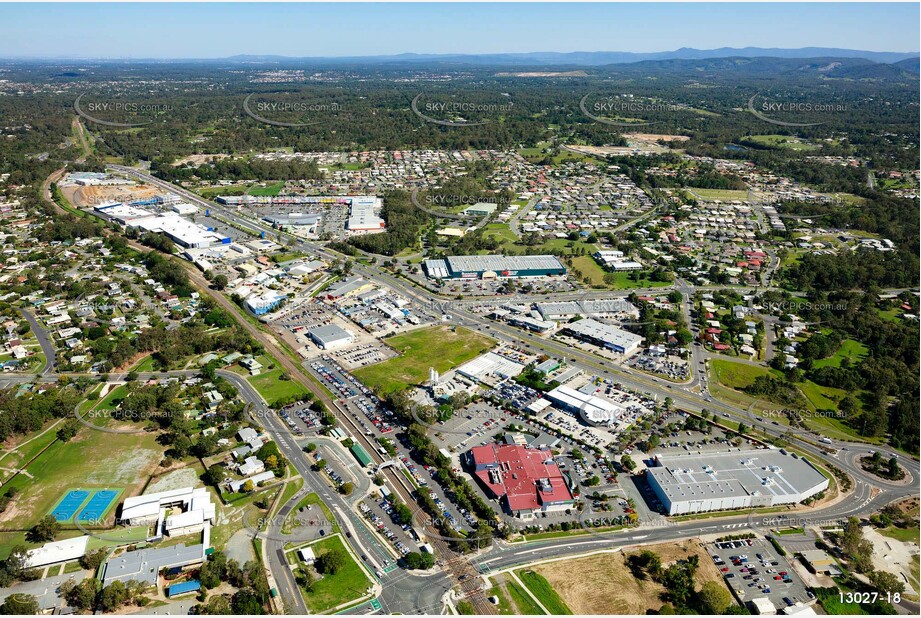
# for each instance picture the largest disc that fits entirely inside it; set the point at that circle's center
(69, 504)
(98, 505)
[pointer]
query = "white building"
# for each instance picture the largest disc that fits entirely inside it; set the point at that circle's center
(236, 486)
(330, 336)
(363, 214)
(605, 336)
(151, 508)
(57, 551)
(733, 480)
(250, 466)
(588, 407)
(189, 522)
(306, 554)
(180, 230)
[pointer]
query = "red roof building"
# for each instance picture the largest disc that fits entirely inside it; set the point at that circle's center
(525, 480)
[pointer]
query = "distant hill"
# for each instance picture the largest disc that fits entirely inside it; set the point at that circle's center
(912, 65)
(600, 58)
(829, 67)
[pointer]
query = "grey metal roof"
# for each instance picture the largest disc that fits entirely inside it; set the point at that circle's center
(341, 288)
(498, 263)
(328, 333)
(604, 332)
(735, 473)
(144, 565)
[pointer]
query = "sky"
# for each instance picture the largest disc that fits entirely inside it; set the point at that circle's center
(213, 30)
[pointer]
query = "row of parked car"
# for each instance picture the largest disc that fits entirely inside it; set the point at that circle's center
(380, 419)
(382, 527)
(334, 380)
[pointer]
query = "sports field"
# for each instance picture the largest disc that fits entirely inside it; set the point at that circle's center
(98, 460)
(87, 505)
(67, 507)
(441, 347)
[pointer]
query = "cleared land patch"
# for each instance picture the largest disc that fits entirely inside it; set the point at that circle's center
(441, 347)
(602, 584)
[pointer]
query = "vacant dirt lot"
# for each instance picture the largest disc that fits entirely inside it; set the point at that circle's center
(603, 584)
(95, 195)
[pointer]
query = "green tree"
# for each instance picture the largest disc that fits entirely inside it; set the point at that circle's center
(886, 582)
(113, 596)
(46, 529)
(83, 595)
(627, 462)
(92, 560)
(68, 430)
(213, 571)
(305, 578)
(713, 598)
(245, 601)
(19, 604)
(330, 562)
(419, 560)
(215, 475)
(217, 605)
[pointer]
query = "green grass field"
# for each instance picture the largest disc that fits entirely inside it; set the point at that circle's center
(850, 349)
(270, 190)
(524, 602)
(848, 198)
(351, 167)
(719, 194)
(890, 315)
(31, 445)
(535, 153)
(728, 378)
(146, 365)
(623, 281)
(212, 192)
(331, 591)
(906, 535)
(272, 387)
(782, 142)
(512, 597)
(269, 383)
(738, 375)
(569, 246)
(441, 347)
(499, 231)
(545, 593)
(590, 269)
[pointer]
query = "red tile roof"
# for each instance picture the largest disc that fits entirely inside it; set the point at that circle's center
(527, 477)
